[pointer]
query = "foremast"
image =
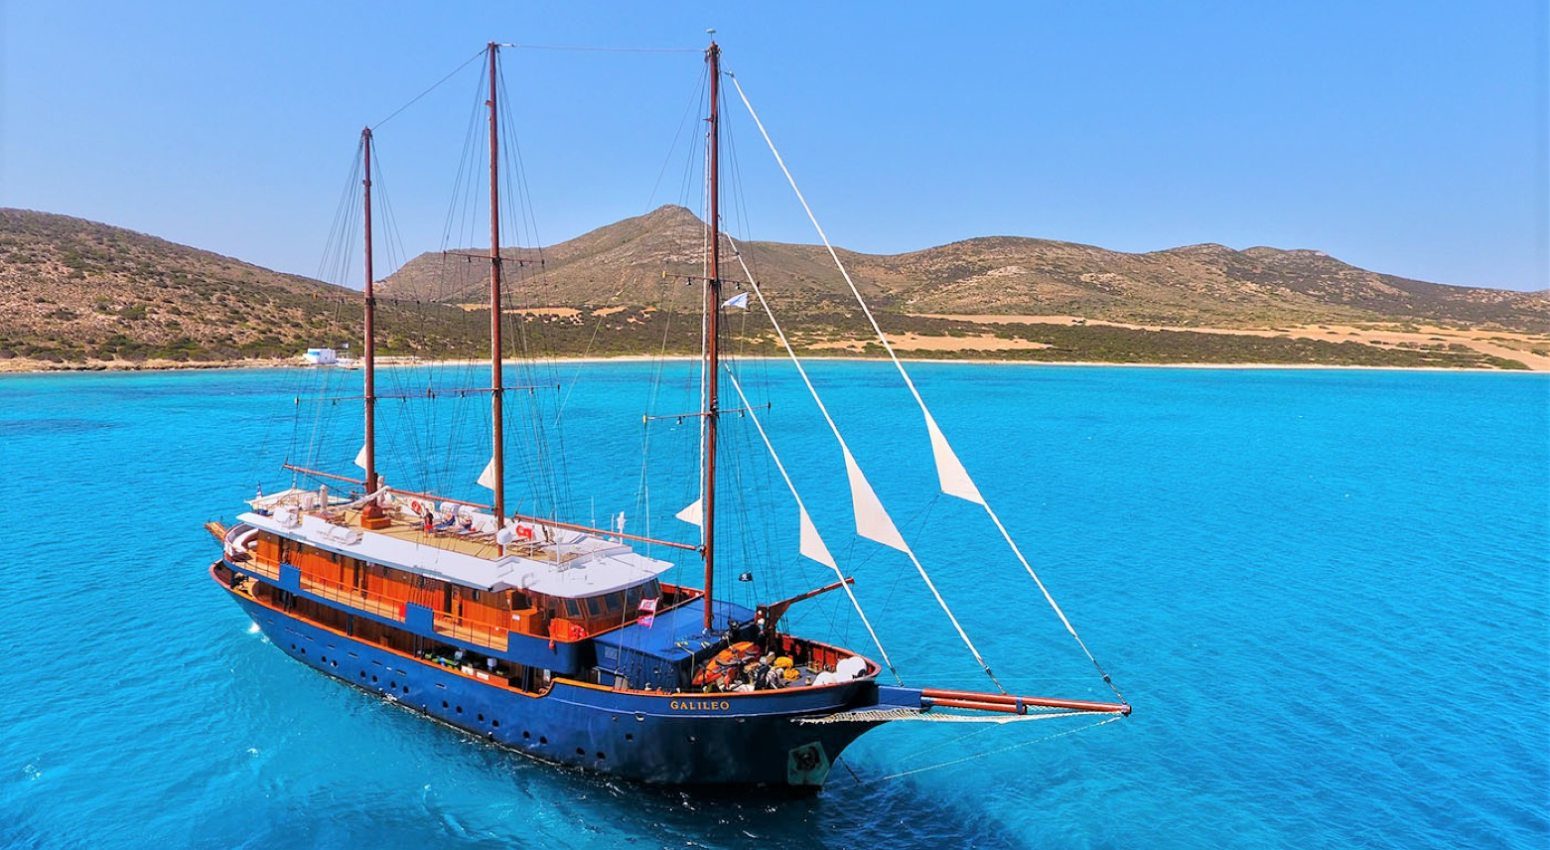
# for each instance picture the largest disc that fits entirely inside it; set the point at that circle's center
(497, 435)
(711, 366)
(369, 394)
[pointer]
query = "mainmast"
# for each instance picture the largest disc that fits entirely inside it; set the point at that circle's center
(497, 454)
(370, 393)
(712, 315)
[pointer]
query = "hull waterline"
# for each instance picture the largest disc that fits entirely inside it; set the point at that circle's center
(668, 739)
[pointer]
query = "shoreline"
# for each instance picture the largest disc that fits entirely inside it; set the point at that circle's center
(34, 368)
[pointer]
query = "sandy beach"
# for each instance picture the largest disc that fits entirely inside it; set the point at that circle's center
(22, 366)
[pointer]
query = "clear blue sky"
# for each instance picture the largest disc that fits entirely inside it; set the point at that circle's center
(1404, 137)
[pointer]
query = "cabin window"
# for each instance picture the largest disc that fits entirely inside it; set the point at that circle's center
(594, 607)
(573, 609)
(475, 595)
(519, 601)
(614, 601)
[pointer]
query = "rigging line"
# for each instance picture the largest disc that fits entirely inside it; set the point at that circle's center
(683, 122)
(529, 213)
(926, 411)
(844, 583)
(582, 48)
(436, 85)
(1018, 745)
(852, 463)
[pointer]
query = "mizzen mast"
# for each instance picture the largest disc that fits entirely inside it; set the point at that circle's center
(712, 372)
(370, 348)
(497, 453)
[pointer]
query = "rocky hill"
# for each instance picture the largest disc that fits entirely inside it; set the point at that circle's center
(77, 294)
(1197, 285)
(76, 291)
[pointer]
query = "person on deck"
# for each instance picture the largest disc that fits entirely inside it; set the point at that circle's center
(774, 678)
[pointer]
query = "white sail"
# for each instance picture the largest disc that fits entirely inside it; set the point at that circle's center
(949, 470)
(872, 519)
(360, 457)
(812, 545)
(487, 477)
(694, 514)
(954, 479)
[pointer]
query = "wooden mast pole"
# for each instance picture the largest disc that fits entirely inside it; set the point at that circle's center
(712, 315)
(370, 353)
(497, 454)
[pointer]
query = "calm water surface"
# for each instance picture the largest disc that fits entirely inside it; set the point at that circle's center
(1327, 594)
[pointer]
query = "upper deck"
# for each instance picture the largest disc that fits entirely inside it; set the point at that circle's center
(542, 558)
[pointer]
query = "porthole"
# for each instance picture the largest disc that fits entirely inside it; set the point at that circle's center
(363, 674)
(581, 751)
(600, 756)
(460, 709)
(392, 685)
(406, 689)
(374, 678)
(542, 740)
(495, 722)
(444, 704)
(333, 663)
(481, 717)
(629, 736)
(526, 735)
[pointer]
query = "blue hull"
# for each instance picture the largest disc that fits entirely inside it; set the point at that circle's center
(677, 739)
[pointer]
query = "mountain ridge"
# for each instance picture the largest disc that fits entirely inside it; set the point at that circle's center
(80, 294)
(1207, 283)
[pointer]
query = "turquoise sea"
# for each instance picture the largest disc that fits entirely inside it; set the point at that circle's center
(1327, 594)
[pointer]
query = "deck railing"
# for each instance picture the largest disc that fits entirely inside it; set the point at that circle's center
(460, 628)
(262, 566)
(354, 597)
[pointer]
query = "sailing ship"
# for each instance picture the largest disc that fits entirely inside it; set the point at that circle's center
(562, 641)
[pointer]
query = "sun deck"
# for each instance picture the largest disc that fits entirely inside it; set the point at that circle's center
(551, 561)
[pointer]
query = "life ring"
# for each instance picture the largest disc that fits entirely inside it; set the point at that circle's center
(414, 505)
